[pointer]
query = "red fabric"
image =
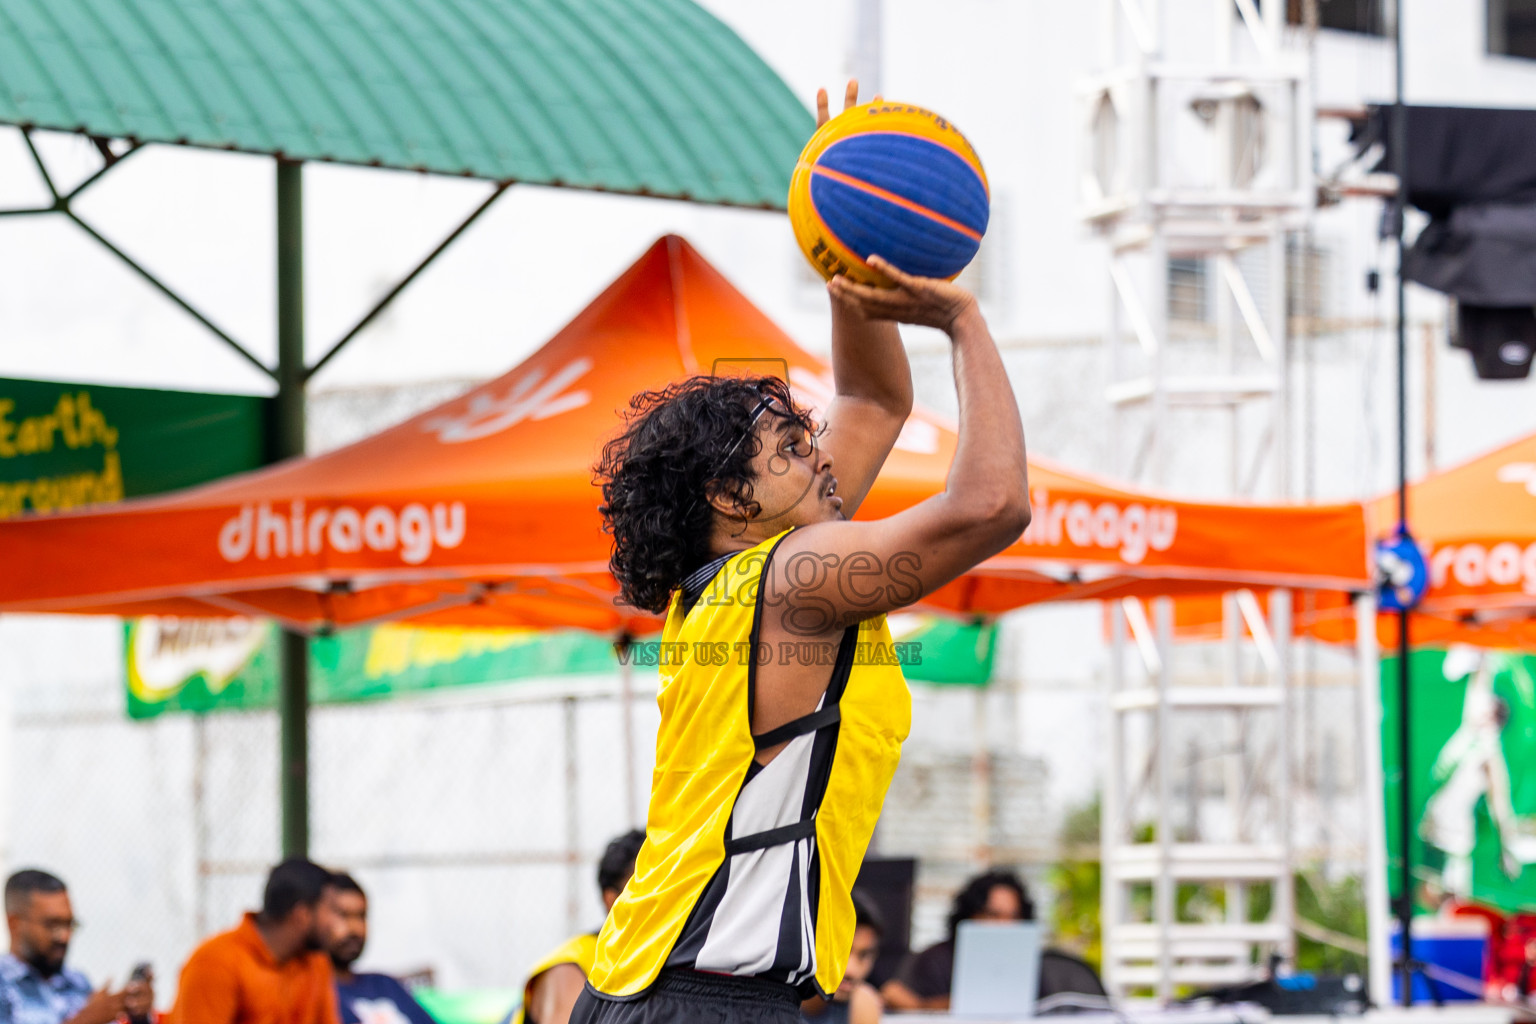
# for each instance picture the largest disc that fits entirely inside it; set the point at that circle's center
(1511, 960)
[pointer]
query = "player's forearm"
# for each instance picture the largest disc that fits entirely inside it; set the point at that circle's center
(868, 361)
(989, 477)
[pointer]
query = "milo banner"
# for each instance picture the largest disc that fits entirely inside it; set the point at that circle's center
(65, 446)
(231, 664)
(1473, 784)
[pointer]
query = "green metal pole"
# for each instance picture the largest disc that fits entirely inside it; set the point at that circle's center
(288, 440)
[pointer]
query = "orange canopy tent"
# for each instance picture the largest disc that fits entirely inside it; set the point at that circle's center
(1476, 524)
(483, 511)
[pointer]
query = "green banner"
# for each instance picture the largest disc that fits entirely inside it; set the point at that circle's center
(232, 664)
(65, 446)
(478, 1006)
(1473, 776)
(947, 652)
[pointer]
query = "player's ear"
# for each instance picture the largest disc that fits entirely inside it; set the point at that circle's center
(731, 500)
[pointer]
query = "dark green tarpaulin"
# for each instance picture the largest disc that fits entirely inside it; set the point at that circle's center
(653, 98)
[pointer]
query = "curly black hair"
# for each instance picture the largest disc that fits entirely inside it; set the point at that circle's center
(970, 900)
(680, 445)
(618, 861)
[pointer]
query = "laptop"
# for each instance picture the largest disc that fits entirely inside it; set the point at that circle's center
(997, 969)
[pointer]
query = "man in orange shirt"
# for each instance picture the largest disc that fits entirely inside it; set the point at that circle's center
(270, 969)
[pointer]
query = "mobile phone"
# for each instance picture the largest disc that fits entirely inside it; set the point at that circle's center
(140, 972)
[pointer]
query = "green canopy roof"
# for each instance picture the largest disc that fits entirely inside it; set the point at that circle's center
(648, 97)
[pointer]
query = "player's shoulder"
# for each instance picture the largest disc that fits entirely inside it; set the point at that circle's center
(867, 545)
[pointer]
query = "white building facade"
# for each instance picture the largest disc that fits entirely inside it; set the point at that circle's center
(463, 815)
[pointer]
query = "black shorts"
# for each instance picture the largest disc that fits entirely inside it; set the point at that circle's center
(689, 997)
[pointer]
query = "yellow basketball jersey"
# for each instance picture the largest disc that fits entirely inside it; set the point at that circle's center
(747, 869)
(579, 950)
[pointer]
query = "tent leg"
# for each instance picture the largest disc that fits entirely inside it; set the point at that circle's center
(293, 714)
(288, 440)
(1399, 166)
(1405, 822)
(1378, 911)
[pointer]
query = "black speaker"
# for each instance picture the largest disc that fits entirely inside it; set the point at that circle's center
(1502, 340)
(888, 882)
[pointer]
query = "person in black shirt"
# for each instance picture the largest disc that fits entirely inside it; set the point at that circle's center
(924, 979)
(923, 983)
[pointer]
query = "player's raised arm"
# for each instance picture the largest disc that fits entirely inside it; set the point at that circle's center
(873, 397)
(873, 383)
(984, 506)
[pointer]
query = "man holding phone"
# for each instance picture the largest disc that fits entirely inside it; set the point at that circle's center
(35, 986)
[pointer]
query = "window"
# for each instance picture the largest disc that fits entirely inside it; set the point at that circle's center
(1368, 17)
(1512, 28)
(1188, 294)
(1308, 275)
(1192, 286)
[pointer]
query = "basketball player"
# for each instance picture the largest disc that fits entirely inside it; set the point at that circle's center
(781, 724)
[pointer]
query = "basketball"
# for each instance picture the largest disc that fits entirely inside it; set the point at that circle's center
(891, 180)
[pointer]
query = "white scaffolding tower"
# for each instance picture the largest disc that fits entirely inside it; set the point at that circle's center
(1197, 151)
(1154, 939)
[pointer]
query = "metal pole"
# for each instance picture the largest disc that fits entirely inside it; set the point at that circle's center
(981, 781)
(1232, 759)
(1378, 914)
(200, 830)
(1405, 761)
(1281, 629)
(288, 441)
(570, 708)
(1431, 414)
(1110, 813)
(1165, 895)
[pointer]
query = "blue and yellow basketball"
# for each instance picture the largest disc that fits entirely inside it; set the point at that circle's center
(891, 180)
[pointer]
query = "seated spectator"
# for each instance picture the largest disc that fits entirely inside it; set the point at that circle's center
(361, 998)
(856, 1001)
(270, 969)
(923, 982)
(550, 992)
(35, 986)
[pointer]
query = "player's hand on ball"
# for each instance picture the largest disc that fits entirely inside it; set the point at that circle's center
(925, 301)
